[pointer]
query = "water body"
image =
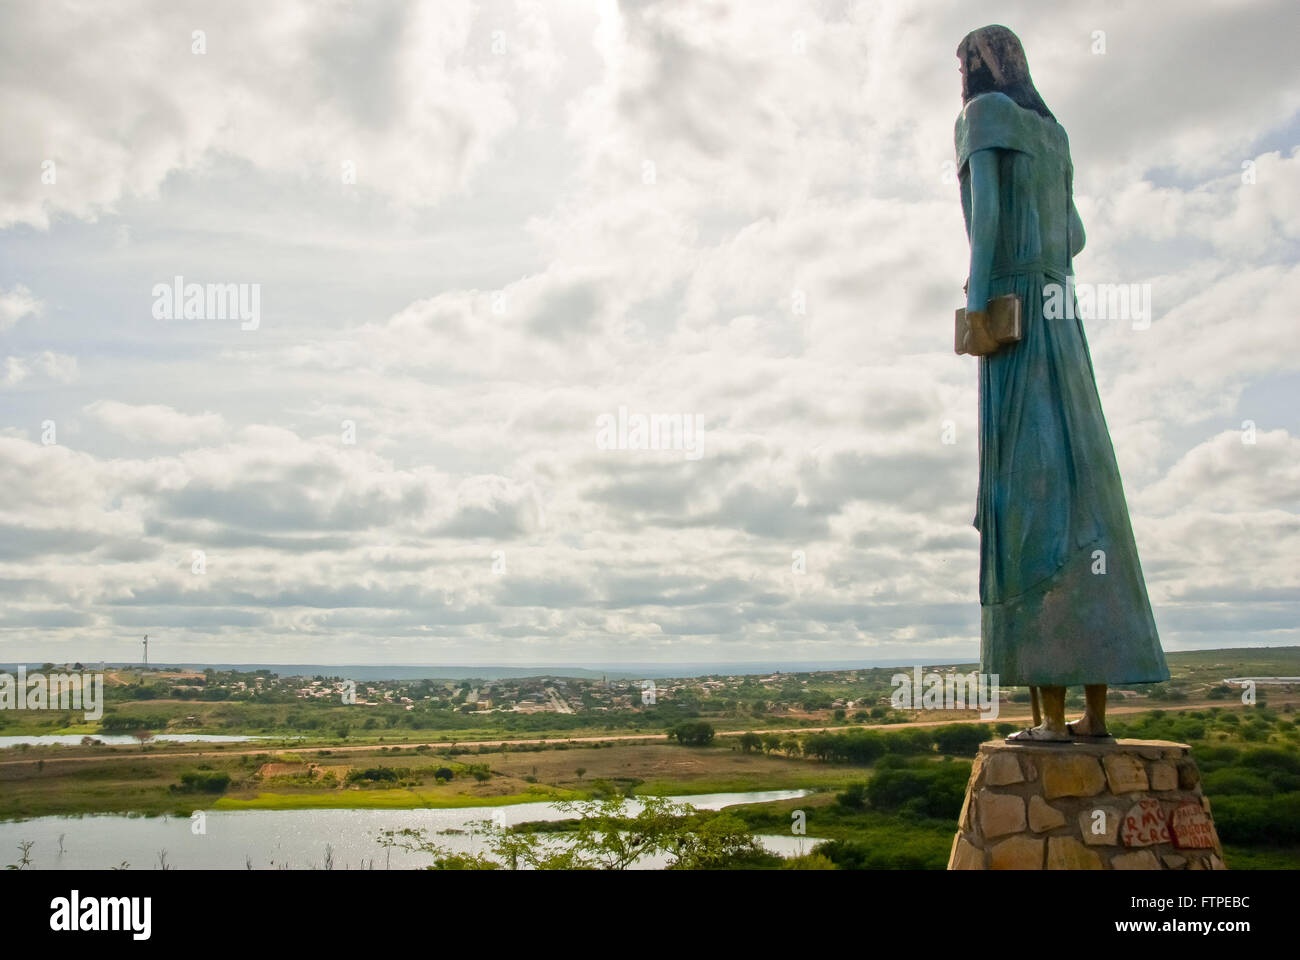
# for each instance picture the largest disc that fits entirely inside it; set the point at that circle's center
(121, 739)
(298, 839)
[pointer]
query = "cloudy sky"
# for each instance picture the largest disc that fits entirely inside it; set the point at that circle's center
(478, 227)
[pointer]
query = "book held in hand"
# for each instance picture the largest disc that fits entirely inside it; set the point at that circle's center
(981, 332)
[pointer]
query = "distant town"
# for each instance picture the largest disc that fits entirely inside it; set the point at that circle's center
(855, 695)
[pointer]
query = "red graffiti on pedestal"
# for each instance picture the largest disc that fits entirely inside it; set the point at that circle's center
(1145, 825)
(1192, 828)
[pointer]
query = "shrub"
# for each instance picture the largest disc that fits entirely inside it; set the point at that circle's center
(1258, 820)
(854, 796)
(373, 774)
(861, 855)
(1269, 759)
(1235, 781)
(205, 781)
(1212, 758)
(809, 861)
(908, 742)
(856, 746)
(961, 739)
(936, 790)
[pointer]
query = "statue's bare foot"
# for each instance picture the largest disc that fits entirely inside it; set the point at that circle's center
(1039, 734)
(1087, 726)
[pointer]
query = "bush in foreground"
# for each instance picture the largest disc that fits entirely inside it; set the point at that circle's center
(204, 781)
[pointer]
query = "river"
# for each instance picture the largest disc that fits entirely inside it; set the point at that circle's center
(296, 839)
(121, 739)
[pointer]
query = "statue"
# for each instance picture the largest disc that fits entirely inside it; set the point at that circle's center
(1062, 597)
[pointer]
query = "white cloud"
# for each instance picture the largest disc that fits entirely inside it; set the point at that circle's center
(411, 95)
(47, 365)
(506, 270)
(16, 304)
(156, 423)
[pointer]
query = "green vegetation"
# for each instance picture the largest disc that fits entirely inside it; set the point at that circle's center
(919, 790)
(604, 835)
(881, 796)
(205, 781)
(373, 775)
(694, 733)
(866, 746)
(258, 702)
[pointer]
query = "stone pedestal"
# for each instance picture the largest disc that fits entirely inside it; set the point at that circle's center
(1124, 805)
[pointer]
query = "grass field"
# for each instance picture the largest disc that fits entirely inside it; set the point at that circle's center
(144, 783)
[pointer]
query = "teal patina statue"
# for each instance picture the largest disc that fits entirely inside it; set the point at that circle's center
(1061, 591)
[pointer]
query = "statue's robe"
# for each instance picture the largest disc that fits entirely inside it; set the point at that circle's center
(1051, 511)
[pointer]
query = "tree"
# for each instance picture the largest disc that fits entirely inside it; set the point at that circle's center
(819, 745)
(932, 790)
(604, 836)
(749, 742)
(716, 844)
(607, 839)
(961, 739)
(693, 733)
(581, 771)
(143, 735)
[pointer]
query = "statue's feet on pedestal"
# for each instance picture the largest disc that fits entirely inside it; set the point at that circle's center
(1088, 727)
(1041, 734)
